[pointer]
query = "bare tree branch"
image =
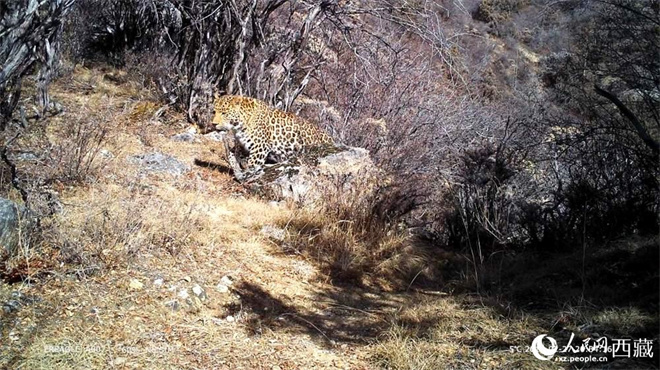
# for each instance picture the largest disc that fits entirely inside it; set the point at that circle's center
(639, 127)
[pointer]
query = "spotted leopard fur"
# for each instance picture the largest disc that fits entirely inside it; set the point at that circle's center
(263, 131)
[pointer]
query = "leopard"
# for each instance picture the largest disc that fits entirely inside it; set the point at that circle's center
(264, 132)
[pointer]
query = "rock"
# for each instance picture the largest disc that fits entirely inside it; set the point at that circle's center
(11, 305)
(326, 171)
(272, 232)
(158, 282)
(226, 280)
(183, 294)
(173, 304)
(230, 318)
(135, 284)
(106, 154)
(159, 162)
(26, 156)
(221, 288)
(15, 221)
(199, 292)
(184, 137)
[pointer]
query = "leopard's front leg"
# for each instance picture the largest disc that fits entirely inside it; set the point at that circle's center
(256, 160)
(233, 162)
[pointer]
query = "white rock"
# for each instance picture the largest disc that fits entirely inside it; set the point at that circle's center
(198, 290)
(135, 284)
(183, 294)
(230, 318)
(159, 162)
(186, 137)
(215, 136)
(226, 280)
(307, 179)
(158, 282)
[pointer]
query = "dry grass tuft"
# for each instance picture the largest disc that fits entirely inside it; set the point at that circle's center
(440, 333)
(346, 237)
(624, 321)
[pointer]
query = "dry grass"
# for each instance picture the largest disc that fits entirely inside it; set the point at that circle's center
(624, 321)
(96, 304)
(92, 298)
(345, 237)
(436, 333)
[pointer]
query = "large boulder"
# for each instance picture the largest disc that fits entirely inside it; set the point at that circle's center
(15, 223)
(310, 176)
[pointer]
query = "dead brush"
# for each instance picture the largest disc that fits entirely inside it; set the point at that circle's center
(112, 233)
(347, 237)
(106, 237)
(76, 155)
(177, 229)
(455, 333)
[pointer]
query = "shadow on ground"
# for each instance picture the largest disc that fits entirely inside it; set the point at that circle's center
(610, 292)
(214, 166)
(337, 316)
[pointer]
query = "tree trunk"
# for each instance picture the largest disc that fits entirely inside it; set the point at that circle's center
(30, 31)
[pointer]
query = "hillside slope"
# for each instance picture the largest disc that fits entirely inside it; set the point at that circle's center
(163, 261)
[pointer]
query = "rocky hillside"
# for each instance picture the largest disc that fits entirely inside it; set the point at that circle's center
(498, 181)
(162, 260)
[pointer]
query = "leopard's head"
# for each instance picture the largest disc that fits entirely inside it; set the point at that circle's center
(227, 113)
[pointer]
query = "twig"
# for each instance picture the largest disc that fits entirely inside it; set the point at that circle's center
(310, 323)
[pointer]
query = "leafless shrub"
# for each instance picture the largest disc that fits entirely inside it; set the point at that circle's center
(498, 12)
(249, 47)
(422, 87)
(154, 72)
(604, 142)
(113, 232)
(106, 30)
(76, 157)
